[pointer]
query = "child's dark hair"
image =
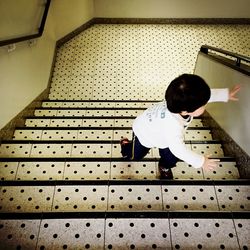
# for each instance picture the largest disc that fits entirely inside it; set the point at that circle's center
(187, 93)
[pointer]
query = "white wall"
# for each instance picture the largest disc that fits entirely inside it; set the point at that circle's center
(24, 73)
(70, 14)
(233, 117)
(172, 8)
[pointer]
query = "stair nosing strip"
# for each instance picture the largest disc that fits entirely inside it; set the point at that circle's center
(123, 214)
(94, 128)
(92, 142)
(91, 159)
(103, 101)
(90, 108)
(80, 117)
(122, 182)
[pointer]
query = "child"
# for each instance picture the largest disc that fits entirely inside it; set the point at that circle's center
(163, 125)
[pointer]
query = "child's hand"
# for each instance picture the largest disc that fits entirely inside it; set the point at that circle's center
(210, 164)
(233, 92)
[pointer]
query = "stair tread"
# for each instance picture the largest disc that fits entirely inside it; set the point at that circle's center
(89, 196)
(114, 231)
(105, 169)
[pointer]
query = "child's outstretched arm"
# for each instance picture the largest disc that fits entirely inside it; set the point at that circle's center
(224, 94)
(233, 92)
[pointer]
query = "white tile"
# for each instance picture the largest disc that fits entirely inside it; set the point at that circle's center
(133, 170)
(71, 113)
(123, 122)
(137, 234)
(199, 135)
(203, 234)
(8, 170)
(133, 197)
(15, 150)
(98, 122)
(21, 134)
(119, 134)
(40, 171)
(242, 228)
(71, 234)
(196, 123)
(87, 170)
(183, 171)
(80, 198)
(59, 134)
(26, 198)
(214, 150)
(187, 197)
(45, 112)
(30, 122)
(95, 134)
(91, 150)
(51, 150)
(233, 198)
(66, 122)
(100, 112)
(19, 234)
(225, 170)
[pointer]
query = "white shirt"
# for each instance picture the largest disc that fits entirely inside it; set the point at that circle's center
(158, 127)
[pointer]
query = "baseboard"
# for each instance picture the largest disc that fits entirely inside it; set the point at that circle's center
(103, 20)
(230, 147)
(75, 32)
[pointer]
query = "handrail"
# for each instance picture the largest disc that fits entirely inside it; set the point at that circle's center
(237, 64)
(33, 36)
(205, 48)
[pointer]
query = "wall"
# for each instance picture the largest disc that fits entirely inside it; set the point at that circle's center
(233, 117)
(24, 20)
(24, 72)
(70, 14)
(172, 8)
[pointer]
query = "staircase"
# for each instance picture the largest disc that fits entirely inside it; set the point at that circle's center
(64, 184)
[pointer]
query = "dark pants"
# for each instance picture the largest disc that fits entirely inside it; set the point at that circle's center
(134, 150)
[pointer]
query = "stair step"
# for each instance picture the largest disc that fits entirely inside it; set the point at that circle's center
(121, 230)
(98, 104)
(118, 121)
(84, 148)
(30, 133)
(105, 169)
(143, 195)
(82, 112)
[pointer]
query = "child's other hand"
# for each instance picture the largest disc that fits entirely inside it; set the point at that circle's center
(233, 92)
(210, 164)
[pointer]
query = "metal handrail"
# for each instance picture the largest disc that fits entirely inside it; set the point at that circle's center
(33, 36)
(205, 49)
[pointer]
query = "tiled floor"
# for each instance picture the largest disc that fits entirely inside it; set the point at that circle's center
(71, 146)
(118, 62)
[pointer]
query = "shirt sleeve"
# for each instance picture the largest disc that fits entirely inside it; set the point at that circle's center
(219, 95)
(181, 151)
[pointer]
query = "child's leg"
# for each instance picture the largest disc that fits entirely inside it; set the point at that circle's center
(133, 150)
(166, 162)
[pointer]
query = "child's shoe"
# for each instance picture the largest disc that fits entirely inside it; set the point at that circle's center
(165, 173)
(123, 143)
